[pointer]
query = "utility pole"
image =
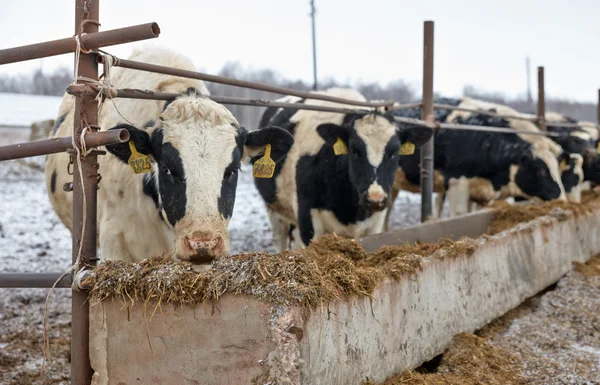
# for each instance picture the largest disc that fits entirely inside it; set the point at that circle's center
(314, 44)
(529, 99)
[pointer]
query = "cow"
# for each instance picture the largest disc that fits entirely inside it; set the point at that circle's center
(338, 174)
(182, 205)
(482, 166)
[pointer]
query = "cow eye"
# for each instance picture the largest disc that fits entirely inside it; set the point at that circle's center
(541, 172)
(230, 172)
(166, 170)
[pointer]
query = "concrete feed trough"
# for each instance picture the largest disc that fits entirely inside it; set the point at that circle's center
(241, 340)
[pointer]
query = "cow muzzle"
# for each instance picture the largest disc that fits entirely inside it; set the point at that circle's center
(376, 198)
(202, 248)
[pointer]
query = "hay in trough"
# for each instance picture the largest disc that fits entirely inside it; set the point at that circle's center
(469, 360)
(330, 268)
(508, 215)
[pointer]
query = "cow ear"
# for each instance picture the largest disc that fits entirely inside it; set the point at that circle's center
(255, 143)
(576, 159)
(417, 135)
(330, 132)
(139, 138)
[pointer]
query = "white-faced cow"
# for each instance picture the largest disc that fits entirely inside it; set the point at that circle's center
(337, 176)
(182, 207)
(481, 166)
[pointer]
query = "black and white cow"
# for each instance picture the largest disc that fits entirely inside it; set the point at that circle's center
(481, 167)
(580, 140)
(316, 191)
(195, 146)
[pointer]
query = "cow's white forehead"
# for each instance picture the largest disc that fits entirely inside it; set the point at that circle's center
(376, 132)
(200, 128)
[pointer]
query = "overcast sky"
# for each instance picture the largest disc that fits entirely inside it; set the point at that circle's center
(482, 43)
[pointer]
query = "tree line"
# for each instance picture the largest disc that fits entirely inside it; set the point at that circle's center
(54, 83)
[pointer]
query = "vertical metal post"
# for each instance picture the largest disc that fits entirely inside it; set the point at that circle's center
(86, 111)
(598, 112)
(427, 110)
(541, 106)
(314, 43)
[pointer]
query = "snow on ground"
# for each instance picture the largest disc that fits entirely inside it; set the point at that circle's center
(23, 110)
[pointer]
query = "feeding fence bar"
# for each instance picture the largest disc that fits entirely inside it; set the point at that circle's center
(88, 41)
(62, 144)
(34, 280)
(136, 65)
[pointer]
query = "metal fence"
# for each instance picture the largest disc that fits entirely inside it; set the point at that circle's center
(86, 44)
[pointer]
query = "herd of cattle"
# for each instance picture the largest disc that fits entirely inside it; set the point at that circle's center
(332, 172)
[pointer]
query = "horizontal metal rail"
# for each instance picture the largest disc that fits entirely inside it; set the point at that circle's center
(482, 112)
(151, 95)
(55, 145)
(136, 65)
(88, 41)
(468, 127)
(404, 106)
(496, 115)
(34, 280)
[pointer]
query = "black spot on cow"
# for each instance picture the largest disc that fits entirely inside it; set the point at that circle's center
(57, 123)
(226, 200)
(171, 178)
(53, 182)
(121, 194)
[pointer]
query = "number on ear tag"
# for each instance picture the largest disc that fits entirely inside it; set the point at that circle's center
(139, 163)
(265, 166)
(407, 148)
(339, 148)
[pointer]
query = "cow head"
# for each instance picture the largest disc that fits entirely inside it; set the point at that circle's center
(372, 143)
(538, 175)
(571, 175)
(195, 151)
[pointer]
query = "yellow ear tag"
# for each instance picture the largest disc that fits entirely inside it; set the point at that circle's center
(339, 147)
(563, 163)
(598, 148)
(265, 166)
(139, 163)
(407, 148)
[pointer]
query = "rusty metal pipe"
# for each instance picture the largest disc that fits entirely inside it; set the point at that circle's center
(85, 183)
(427, 153)
(90, 41)
(136, 65)
(482, 112)
(55, 145)
(541, 105)
(34, 280)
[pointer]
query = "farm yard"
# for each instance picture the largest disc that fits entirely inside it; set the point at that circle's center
(348, 233)
(552, 338)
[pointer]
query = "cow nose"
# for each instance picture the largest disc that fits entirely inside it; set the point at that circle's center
(203, 248)
(199, 244)
(376, 196)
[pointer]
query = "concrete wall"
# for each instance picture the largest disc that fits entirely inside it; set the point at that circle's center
(243, 341)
